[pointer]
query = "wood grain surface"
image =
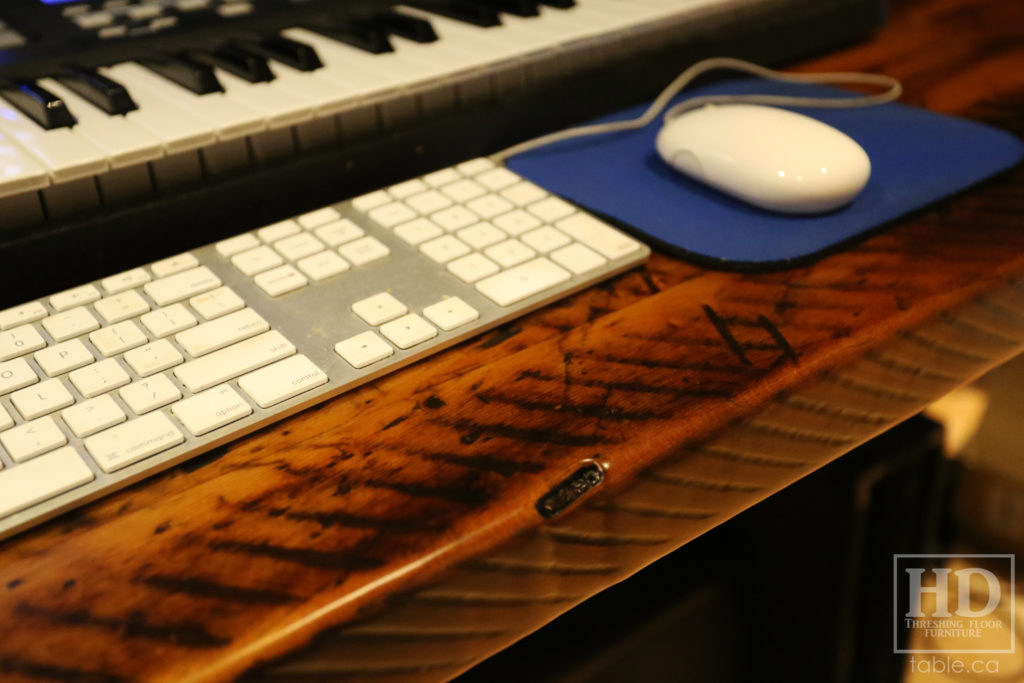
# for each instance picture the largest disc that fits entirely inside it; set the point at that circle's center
(392, 534)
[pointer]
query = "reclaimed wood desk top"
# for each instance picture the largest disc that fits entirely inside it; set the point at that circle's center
(392, 534)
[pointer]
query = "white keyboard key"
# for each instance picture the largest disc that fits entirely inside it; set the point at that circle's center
(578, 258)
(70, 323)
(133, 441)
(339, 232)
(65, 155)
(182, 285)
(222, 332)
(168, 320)
(18, 341)
(115, 284)
(428, 202)
(442, 177)
(279, 107)
(545, 239)
(551, 209)
(298, 246)
(418, 231)
(509, 253)
(174, 264)
(364, 250)
(454, 218)
(363, 349)
(216, 303)
(78, 296)
(281, 280)
(228, 363)
(315, 219)
(221, 118)
(211, 409)
(463, 190)
(278, 230)
(408, 331)
(282, 380)
(118, 307)
(379, 308)
(522, 282)
(474, 166)
(33, 438)
(152, 358)
(257, 260)
(407, 189)
(42, 399)
(19, 171)
(234, 245)
(473, 267)
(61, 358)
(392, 214)
(6, 421)
(42, 478)
(150, 393)
(371, 200)
(450, 313)
(177, 129)
(523, 193)
(20, 315)
(517, 222)
(99, 378)
(322, 266)
(489, 205)
(481, 235)
(445, 248)
(118, 338)
(598, 236)
(94, 415)
(16, 374)
(497, 179)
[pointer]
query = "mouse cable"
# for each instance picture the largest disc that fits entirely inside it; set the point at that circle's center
(893, 91)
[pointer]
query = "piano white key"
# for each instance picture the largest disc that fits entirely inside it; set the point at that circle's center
(328, 97)
(279, 106)
(363, 72)
(490, 43)
(504, 54)
(226, 117)
(123, 143)
(371, 79)
(64, 155)
(19, 171)
(177, 129)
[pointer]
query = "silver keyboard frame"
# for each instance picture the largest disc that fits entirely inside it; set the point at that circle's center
(409, 275)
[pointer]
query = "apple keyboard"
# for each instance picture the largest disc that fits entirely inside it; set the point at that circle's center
(115, 380)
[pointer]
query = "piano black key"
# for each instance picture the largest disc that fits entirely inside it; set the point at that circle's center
(463, 10)
(405, 26)
(356, 32)
(42, 106)
(199, 78)
(520, 8)
(285, 50)
(234, 60)
(108, 95)
(560, 4)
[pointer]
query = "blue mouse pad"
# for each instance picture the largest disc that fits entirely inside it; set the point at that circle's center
(917, 157)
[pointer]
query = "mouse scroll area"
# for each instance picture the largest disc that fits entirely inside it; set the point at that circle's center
(769, 157)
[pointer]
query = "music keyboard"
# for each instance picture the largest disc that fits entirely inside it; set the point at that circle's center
(176, 136)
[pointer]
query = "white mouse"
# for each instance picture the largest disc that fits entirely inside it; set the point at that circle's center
(773, 158)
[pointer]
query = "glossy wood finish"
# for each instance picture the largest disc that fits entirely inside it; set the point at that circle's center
(391, 534)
